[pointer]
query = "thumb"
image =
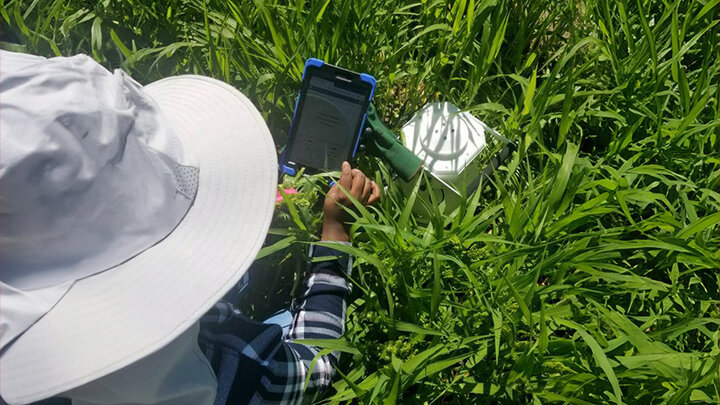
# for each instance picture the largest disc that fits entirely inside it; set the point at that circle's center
(346, 176)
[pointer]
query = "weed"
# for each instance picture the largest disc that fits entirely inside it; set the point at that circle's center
(587, 272)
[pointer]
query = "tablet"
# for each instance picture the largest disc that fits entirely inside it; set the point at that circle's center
(329, 115)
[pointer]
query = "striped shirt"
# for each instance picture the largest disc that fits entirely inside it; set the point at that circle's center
(258, 363)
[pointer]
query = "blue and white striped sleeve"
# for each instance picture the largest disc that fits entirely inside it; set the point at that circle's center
(256, 363)
(320, 314)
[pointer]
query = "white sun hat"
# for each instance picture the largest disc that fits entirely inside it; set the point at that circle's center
(126, 213)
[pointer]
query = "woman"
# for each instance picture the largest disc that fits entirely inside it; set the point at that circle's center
(127, 213)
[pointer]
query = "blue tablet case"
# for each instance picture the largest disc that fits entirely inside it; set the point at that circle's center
(317, 62)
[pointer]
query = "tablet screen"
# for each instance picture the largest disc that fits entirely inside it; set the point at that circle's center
(330, 117)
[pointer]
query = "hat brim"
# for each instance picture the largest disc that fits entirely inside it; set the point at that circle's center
(111, 319)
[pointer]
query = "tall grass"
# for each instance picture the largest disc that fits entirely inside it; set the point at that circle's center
(586, 273)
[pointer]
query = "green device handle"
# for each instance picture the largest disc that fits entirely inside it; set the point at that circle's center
(385, 145)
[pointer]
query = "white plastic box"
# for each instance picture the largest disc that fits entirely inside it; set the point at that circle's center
(449, 141)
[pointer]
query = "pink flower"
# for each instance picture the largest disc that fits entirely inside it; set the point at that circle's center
(287, 191)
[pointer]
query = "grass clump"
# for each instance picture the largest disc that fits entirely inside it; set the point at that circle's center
(587, 272)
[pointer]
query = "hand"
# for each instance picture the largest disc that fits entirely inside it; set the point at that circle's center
(335, 218)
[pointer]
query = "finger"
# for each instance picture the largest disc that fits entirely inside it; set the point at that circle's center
(346, 176)
(375, 194)
(358, 183)
(367, 190)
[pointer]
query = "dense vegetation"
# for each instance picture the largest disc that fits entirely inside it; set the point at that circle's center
(587, 273)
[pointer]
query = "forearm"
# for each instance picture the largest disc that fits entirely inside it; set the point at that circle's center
(320, 314)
